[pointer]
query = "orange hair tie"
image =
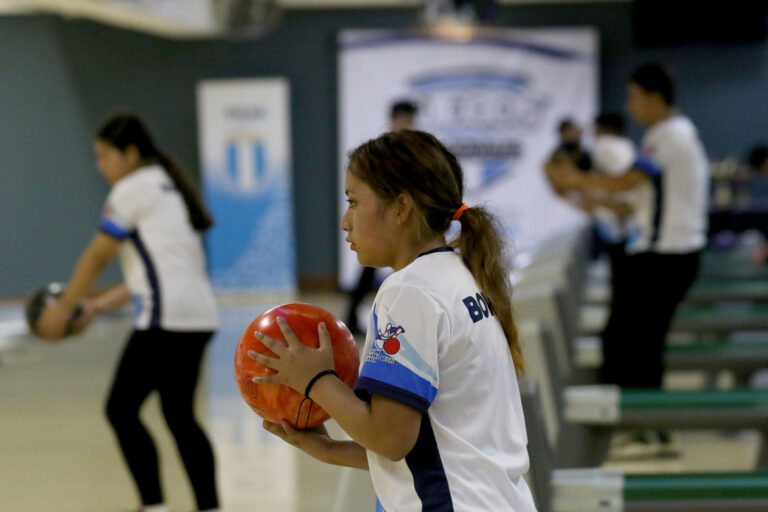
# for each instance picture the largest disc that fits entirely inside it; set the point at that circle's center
(460, 211)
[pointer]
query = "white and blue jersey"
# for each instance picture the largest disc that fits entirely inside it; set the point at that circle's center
(673, 220)
(614, 155)
(162, 258)
(434, 343)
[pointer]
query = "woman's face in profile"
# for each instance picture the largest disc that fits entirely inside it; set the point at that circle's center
(113, 163)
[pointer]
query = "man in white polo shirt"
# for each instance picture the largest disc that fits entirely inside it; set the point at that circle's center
(666, 231)
(665, 234)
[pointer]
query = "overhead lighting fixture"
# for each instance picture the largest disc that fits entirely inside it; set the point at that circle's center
(460, 12)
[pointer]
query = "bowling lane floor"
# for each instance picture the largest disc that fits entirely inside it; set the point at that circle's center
(57, 453)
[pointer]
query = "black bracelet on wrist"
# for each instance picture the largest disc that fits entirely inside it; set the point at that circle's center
(316, 378)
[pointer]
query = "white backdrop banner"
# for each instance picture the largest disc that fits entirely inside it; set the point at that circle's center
(245, 153)
(494, 97)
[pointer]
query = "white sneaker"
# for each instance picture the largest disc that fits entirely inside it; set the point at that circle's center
(668, 447)
(634, 445)
(155, 508)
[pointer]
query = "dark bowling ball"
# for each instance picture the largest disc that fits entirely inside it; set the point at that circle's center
(40, 299)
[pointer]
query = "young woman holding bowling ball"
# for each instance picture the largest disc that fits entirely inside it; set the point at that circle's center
(436, 414)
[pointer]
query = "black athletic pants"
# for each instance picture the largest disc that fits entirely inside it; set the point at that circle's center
(648, 287)
(168, 362)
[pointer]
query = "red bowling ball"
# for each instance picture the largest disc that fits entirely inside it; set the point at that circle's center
(278, 402)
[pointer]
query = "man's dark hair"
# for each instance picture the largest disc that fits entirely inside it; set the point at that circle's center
(757, 156)
(654, 78)
(403, 107)
(565, 124)
(611, 122)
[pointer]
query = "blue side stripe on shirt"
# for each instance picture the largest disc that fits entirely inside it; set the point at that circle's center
(154, 283)
(112, 229)
(648, 166)
(428, 472)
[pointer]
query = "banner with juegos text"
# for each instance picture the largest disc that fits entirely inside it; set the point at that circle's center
(493, 96)
(245, 152)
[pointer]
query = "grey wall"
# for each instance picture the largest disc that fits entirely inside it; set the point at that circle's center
(49, 188)
(59, 79)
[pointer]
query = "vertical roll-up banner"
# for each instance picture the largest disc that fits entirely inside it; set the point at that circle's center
(493, 96)
(245, 153)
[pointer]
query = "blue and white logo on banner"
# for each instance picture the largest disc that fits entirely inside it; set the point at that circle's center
(246, 164)
(481, 114)
(247, 184)
(494, 97)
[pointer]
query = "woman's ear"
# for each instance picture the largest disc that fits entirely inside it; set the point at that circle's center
(404, 207)
(131, 152)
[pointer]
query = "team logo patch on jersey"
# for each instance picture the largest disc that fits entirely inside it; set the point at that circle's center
(386, 338)
(390, 342)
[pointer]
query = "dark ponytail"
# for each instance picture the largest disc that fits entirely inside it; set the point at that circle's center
(416, 163)
(125, 130)
(482, 248)
(199, 216)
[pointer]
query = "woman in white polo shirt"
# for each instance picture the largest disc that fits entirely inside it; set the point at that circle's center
(153, 219)
(436, 414)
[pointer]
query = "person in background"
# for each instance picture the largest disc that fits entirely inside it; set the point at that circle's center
(666, 236)
(402, 116)
(757, 186)
(570, 144)
(758, 159)
(612, 155)
(153, 219)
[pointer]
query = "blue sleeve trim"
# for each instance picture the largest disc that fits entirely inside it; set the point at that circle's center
(648, 166)
(112, 229)
(366, 387)
(380, 368)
